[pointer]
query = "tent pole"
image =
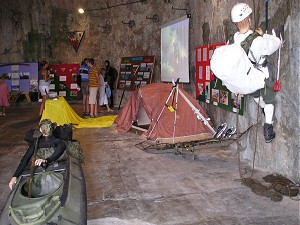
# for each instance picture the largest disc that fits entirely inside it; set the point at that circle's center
(175, 114)
(158, 118)
(197, 112)
(121, 100)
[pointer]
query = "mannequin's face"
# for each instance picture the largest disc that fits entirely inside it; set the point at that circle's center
(45, 130)
(248, 21)
(244, 25)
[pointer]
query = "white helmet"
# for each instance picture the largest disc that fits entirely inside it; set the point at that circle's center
(240, 11)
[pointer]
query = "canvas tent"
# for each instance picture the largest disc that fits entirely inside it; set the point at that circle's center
(153, 98)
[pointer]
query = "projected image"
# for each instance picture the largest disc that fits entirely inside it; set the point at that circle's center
(175, 51)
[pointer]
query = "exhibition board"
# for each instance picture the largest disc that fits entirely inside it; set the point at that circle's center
(20, 77)
(135, 72)
(209, 89)
(64, 81)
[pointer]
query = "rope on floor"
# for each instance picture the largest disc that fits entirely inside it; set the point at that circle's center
(280, 185)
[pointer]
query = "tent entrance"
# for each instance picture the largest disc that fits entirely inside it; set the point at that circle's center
(143, 119)
(142, 123)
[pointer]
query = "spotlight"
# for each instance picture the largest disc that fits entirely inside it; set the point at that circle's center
(80, 10)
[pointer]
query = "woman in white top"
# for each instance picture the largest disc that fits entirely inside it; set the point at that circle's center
(103, 85)
(44, 83)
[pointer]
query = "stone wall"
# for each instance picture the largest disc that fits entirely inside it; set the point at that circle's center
(35, 30)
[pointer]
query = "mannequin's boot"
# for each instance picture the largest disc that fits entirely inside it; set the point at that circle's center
(268, 132)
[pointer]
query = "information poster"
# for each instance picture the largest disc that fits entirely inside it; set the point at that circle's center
(20, 77)
(64, 81)
(209, 89)
(135, 72)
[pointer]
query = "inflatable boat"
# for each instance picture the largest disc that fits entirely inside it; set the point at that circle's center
(57, 194)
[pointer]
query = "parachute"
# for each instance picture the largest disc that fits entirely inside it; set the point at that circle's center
(230, 64)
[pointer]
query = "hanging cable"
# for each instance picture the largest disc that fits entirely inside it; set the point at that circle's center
(117, 5)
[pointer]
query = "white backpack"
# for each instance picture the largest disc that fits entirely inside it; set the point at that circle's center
(230, 64)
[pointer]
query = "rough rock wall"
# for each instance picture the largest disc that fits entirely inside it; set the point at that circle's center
(35, 30)
(282, 155)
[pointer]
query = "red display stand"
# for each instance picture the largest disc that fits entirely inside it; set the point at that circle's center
(211, 90)
(203, 73)
(65, 80)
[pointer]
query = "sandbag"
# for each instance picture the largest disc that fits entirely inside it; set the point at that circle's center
(230, 64)
(64, 132)
(74, 149)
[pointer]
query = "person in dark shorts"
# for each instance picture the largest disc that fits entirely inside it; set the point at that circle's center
(82, 82)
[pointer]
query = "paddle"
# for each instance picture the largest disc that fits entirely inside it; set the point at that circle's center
(37, 135)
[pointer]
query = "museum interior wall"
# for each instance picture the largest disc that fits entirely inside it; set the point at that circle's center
(38, 29)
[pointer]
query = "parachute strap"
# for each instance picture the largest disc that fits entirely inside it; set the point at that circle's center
(256, 64)
(231, 39)
(248, 41)
(245, 43)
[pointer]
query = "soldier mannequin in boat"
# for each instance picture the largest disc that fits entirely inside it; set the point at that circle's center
(49, 150)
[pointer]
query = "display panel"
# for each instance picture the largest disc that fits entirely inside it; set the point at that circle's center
(20, 77)
(64, 81)
(211, 90)
(135, 72)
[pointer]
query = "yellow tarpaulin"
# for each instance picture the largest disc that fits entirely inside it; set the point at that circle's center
(60, 112)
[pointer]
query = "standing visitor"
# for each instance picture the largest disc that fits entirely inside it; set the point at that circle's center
(103, 85)
(93, 86)
(110, 78)
(82, 82)
(4, 96)
(44, 83)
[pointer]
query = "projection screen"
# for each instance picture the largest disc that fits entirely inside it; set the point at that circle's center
(175, 50)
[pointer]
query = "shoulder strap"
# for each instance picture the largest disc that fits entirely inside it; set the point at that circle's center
(248, 41)
(231, 39)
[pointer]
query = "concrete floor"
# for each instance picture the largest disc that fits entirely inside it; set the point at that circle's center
(127, 186)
